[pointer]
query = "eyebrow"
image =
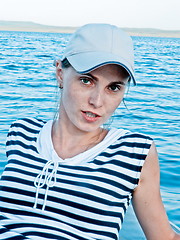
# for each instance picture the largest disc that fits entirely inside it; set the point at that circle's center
(118, 82)
(90, 75)
(95, 78)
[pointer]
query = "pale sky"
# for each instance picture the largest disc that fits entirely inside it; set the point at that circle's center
(160, 14)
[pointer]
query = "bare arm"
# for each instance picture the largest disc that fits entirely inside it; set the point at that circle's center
(147, 202)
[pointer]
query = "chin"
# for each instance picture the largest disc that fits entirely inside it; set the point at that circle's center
(89, 128)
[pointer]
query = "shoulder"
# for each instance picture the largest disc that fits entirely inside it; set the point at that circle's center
(27, 124)
(151, 165)
(23, 133)
(133, 139)
(133, 147)
(29, 121)
(24, 129)
(136, 136)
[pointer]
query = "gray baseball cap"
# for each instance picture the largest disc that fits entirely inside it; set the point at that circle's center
(95, 45)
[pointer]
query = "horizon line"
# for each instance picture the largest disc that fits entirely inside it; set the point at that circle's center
(69, 26)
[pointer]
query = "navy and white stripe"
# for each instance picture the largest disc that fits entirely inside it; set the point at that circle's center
(74, 200)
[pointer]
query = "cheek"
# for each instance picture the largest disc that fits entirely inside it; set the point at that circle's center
(113, 104)
(112, 109)
(72, 97)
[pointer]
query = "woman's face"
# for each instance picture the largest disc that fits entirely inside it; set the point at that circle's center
(88, 100)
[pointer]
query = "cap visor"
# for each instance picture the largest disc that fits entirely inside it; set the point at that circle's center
(86, 62)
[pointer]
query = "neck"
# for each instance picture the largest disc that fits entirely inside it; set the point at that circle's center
(70, 142)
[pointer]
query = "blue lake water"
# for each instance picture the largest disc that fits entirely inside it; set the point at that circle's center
(28, 89)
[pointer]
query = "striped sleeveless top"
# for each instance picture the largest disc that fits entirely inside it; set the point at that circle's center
(80, 198)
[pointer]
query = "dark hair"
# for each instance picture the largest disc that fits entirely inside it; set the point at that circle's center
(125, 73)
(65, 63)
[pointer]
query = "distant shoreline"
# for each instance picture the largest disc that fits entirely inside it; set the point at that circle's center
(34, 27)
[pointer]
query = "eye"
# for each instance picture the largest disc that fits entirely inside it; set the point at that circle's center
(115, 87)
(86, 80)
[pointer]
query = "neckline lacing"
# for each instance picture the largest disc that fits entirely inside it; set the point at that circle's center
(46, 177)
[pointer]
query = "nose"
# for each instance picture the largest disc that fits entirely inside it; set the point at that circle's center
(96, 98)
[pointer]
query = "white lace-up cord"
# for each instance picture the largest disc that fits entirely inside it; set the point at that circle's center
(46, 176)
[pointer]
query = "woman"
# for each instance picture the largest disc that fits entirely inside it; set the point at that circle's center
(72, 178)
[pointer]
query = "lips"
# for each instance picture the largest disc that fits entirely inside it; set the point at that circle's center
(90, 116)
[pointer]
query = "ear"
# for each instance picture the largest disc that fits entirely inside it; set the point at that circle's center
(59, 73)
